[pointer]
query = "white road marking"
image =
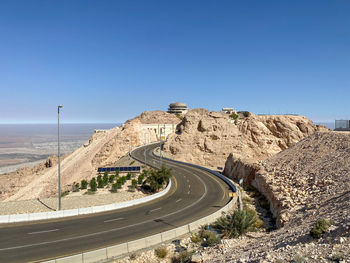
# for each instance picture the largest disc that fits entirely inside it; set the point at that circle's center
(44, 231)
(155, 209)
(188, 181)
(113, 229)
(188, 192)
(110, 220)
(178, 200)
(189, 186)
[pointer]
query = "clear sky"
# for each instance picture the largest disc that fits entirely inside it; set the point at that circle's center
(107, 61)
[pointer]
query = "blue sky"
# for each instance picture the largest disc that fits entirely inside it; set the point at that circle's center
(107, 61)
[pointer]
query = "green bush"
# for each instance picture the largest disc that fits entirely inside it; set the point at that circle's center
(75, 187)
(93, 185)
(114, 188)
(234, 116)
(161, 252)
(105, 179)
(134, 182)
(128, 176)
(320, 227)
(63, 194)
(298, 259)
(117, 173)
(236, 224)
(183, 257)
(84, 184)
(105, 174)
(111, 178)
(156, 179)
(140, 179)
(209, 238)
(100, 183)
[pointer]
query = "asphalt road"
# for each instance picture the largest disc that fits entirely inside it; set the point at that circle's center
(194, 194)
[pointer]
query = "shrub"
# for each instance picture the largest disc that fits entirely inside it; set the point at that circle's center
(128, 176)
(114, 188)
(320, 227)
(156, 179)
(63, 194)
(93, 185)
(298, 259)
(116, 173)
(209, 238)
(83, 184)
(234, 116)
(161, 252)
(140, 179)
(105, 174)
(196, 239)
(111, 178)
(105, 179)
(75, 187)
(183, 257)
(133, 182)
(236, 224)
(100, 183)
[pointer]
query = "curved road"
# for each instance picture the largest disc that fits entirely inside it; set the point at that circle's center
(194, 194)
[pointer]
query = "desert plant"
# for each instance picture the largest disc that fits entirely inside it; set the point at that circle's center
(236, 224)
(100, 183)
(183, 257)
(128, 176)
(75, 187)
(234, 116)
(196, 238)
(111, 178)
(161, 252)
(298, 259)
(156, 179)
(83, 184)
(93, 185)
(133, 182)
(116, 173)
(337, 257)
(114, 188)
(105, 174)
(320, 227)
(105, 179)
(209, 238)
(140, 179)
(63, 194)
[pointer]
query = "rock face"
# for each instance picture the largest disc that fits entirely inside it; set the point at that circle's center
(314, 172)
(207, 138)
(103, 149)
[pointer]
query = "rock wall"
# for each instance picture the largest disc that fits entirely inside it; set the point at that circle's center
(316, 170)
(207, 138)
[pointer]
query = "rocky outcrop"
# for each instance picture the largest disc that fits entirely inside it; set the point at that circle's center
(103, 149)
(313, 172)
(207, 138)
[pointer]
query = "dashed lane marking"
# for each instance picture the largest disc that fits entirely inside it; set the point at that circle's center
(44, 231)
(111, 220)
(178, 200)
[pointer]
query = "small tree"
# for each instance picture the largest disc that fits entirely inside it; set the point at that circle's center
(100, 183)
(133, 182)
(84, 184)
(93, 185)
(105, 174)
(116, 173)
(105, 179)
(111, 178)
(114, 188)
(128, 176)
(140, 179)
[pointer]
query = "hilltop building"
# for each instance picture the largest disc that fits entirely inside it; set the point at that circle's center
(228, 110)
(177, 108)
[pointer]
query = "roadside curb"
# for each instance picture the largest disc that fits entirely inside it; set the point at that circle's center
(80, 211)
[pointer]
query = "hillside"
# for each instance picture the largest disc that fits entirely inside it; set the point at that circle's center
(207, 138)
(103, 149)
(306, 182)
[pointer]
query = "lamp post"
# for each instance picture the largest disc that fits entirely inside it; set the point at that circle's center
(59, 162)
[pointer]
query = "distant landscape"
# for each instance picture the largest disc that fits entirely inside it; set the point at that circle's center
(27, 144)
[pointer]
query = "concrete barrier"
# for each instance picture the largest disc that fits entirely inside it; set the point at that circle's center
(117, 250)
(94, 256)
(137, 245)
(71, 259)
(153, 240)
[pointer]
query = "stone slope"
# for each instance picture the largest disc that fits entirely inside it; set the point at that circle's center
(103, 149)
(207, 138)
(313, 171)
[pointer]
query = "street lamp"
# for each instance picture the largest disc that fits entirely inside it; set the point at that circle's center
(59, 162)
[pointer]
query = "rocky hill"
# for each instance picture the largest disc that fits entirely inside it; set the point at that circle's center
(207, 138)
(103, 149)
